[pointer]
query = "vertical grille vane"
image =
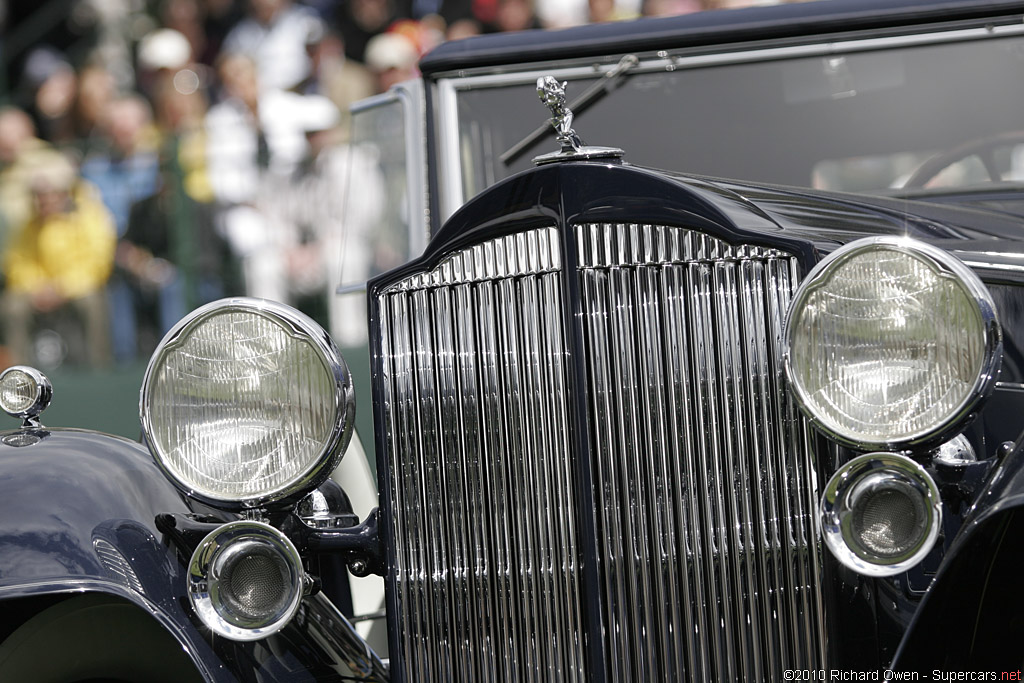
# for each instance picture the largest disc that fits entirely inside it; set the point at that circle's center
(708, 554)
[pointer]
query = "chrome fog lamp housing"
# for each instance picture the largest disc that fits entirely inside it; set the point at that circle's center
(245, 580)
(880, 514)
(247, 403)
(24, 392)
(891, 342)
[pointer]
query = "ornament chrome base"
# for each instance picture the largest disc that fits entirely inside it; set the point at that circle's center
(580, 154)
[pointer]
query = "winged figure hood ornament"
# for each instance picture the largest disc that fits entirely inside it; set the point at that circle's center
(552, 94)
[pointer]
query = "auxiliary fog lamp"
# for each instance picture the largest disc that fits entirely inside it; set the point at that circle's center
(245, 580)
(881, 514)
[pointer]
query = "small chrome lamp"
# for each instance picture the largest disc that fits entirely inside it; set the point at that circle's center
(25, 393)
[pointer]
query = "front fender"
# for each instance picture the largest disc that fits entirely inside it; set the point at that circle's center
(66, 495)
(77, 515)
(972, 616)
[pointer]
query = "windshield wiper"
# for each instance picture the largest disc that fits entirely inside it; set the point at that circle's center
(586, 98)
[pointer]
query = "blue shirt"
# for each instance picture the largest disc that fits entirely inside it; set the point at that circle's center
(122, 182)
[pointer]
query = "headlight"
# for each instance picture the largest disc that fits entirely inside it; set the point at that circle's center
(245, 580)
(246, 402)
(24, 392)
(880, 514)
(891, 342)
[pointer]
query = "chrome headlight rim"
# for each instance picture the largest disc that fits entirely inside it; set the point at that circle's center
(835, 515)
(299, 326)
(221, 542)
(947, 266)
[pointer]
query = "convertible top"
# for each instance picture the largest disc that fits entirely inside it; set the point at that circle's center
(789, 22)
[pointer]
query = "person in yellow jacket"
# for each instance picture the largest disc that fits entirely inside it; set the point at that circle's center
(59, 261)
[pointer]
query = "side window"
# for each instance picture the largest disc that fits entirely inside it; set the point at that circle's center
(383, 195)
(384, 202)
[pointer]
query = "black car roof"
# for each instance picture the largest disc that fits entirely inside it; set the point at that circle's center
(754, 24)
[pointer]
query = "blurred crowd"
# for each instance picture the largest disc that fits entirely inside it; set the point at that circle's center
(175, 161)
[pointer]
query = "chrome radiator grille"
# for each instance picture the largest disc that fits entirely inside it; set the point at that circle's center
(477, 436)
(703, 479)
(705, 484)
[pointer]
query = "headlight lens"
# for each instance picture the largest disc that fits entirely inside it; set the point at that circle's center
(246, 402)
(891, 342)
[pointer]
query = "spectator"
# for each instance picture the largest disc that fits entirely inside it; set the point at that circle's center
(18, 147)
(337, 203)
(186, 18)
(425, 34)
(171, 258)
(392, 58)
(333, 75)
(124, 165)
(254, 142)
(463, 28)
(274, 34)
(515, 15)
(58, 263)
(96, 90)
(563, 13)
(669, 8)
(360, 21)
(315, 210)
(612, 10)
(124, 168)
(180, 120)
(219, 18)
(177, 87)
(52, 85)
(162, 56)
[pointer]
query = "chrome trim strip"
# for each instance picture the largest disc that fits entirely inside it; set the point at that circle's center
(661, 60)
(449, 166)
(373, 101)
(416, 156)
(351, 289)
(329, 628)
(988, 265)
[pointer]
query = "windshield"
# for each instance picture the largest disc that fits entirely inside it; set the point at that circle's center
(861, 118)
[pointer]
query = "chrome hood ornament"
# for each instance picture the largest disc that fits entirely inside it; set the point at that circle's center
(552, 94)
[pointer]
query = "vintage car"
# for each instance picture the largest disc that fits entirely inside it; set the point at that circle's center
(732, 394)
